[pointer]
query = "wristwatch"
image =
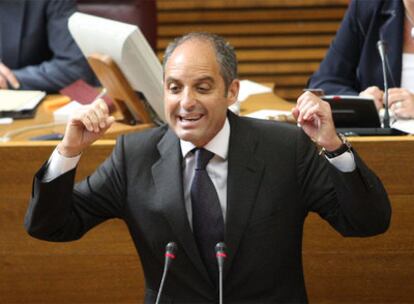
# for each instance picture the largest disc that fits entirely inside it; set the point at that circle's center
(345, 147)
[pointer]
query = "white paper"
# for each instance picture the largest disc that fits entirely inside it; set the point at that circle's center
(14, 100)
(248, 88)
(63, 114)
(270, 114)
(405, 125)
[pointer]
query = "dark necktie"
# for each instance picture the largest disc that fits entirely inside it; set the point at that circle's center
(208, 223)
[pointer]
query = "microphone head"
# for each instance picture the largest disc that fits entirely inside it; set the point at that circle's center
(220, 248)
(382, 45)
(170, 250)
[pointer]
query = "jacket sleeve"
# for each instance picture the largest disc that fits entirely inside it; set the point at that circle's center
(354, 203)
(67, 63)
(61, 211)
(337, 72)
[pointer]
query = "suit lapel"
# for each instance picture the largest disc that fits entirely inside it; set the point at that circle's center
(167, 174)
(243, 181)
(391, 32)
(11, 31)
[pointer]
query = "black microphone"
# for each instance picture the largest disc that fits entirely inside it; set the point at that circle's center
(221, 256)
(170, 251)
(382, 49)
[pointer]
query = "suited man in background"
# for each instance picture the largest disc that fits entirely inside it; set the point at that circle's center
(266, 177)
(37, 51)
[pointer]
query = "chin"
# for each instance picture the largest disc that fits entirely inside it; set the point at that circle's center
(186, 135)
(194, 138)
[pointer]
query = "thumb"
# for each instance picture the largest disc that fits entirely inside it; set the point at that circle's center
(295, 113)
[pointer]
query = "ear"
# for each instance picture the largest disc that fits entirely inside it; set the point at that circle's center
(233, 92)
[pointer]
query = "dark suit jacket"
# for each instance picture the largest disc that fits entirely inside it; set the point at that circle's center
(275, 177)
(36, 44)
(352, 62)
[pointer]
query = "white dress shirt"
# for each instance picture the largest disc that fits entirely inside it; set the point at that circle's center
(216, 168)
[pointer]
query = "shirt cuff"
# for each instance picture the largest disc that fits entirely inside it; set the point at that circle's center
(344, 162)
(59, 165)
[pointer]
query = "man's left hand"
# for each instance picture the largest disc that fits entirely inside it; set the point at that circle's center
(401, 102)
(315, 117)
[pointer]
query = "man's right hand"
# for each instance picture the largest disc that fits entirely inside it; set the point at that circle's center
(376, 93)
(85, 126)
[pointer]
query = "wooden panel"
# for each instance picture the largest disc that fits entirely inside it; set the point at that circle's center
(281, 55)
(269, 41)
(71, 278)
(228, 4)
(392, 159)
(266, 31)
(250, 28)
(296, 55)
(277, 67)
(211, 16)
(288, 91)
(362, 270)
(103, 267)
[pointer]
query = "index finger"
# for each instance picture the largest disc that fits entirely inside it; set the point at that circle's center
(101, 105)
(304, 96)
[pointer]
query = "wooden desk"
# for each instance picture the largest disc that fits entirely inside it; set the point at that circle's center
(103, 267)
(44, 117)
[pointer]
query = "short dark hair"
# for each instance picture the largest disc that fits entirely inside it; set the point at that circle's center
(225, 54)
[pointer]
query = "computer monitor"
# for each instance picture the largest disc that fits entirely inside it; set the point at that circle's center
(353, 111)
(126, 45)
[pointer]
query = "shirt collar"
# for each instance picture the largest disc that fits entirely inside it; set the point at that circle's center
(219, 145)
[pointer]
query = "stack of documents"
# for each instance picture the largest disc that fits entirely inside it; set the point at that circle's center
(63, 114)
(19, 104)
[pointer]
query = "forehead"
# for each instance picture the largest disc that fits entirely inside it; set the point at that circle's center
(191, 58)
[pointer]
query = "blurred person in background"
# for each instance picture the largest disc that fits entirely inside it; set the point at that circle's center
(37, 51)
(352, 65)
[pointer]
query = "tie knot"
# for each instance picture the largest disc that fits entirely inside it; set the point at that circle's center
(203, 156)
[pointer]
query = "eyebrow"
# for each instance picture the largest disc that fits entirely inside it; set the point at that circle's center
(205, 78)
(201, 79)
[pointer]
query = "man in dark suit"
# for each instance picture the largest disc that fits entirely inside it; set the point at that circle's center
(267, 177)
(37, 51)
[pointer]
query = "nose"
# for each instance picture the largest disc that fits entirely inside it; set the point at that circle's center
(188, 100)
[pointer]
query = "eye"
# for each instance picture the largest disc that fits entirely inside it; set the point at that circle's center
(173, 88)
(203, 88)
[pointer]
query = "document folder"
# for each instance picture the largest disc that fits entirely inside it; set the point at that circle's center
(19, 104)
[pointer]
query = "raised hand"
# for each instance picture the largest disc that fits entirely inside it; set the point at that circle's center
(315, 117)
(85, 126)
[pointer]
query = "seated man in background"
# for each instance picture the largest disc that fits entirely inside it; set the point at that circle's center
(352, 65)
(37, 51)
(210, 176)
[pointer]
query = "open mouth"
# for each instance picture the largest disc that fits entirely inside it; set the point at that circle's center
(192, 118)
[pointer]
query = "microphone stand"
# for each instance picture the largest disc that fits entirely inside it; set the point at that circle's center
(170, 251)
(221, 256)
(381, 48)
(386, 120)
